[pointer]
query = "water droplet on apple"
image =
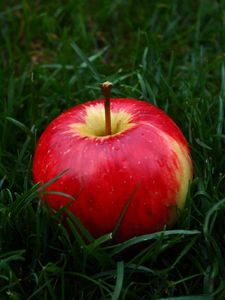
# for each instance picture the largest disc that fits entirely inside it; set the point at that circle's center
(115, 148)
(67, 151)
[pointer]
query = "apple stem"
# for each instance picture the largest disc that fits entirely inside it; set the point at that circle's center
(106, 88)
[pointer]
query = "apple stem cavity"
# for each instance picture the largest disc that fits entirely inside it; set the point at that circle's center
(106, 91)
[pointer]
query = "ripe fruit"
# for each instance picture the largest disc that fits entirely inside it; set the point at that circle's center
(138, 158)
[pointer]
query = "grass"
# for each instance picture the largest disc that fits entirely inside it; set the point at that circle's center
(53, 56)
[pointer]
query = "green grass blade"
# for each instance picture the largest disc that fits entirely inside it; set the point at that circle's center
(29, 132)
(119, 281)
(148, 237)
(117, 226)
(207, 227)
(194, 297)
(86, 61)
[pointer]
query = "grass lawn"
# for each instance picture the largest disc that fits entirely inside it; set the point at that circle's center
(53, 55)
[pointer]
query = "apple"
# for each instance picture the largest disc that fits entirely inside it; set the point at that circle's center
(126, 160)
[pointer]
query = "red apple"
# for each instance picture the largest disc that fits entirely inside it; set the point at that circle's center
(144, 160)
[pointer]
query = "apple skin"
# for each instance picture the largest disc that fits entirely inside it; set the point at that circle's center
(146, 163)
